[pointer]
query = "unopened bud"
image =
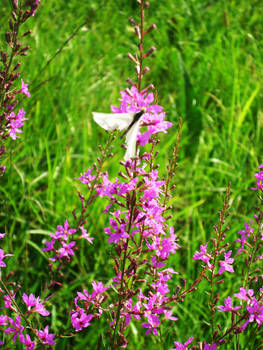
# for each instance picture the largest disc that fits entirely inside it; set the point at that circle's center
(11, 25)
(148, 53)
(4, 56)
(145, 70)
(152, 27)
(137, 31)
(132, 21)
(27, 33)
(132, 58)
(15, 4)
(146, 4)
(17, 66)
(8, 37)
(14, 15)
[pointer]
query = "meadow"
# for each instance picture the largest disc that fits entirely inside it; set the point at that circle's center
(206, 70)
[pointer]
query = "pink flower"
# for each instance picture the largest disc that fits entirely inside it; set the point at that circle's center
(24, 89)
(17, 327)
(153, 323)
(47, 338)
(259, 178)
(34, 304)
(180, 346)
(226, 264)
(16, 122)
(63, 232)
(80, 320)
(203, 255)
(86, 235)
(2, 256)
(228, 306)
(26, 340)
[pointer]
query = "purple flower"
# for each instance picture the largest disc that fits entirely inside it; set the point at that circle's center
(2, 170)
(153, 323)
(203, 255)
(47, 338)
(87, 177)
(226, 264)
(228, 306)
(117, 233)
(132, 101)
(86, 235)
(26, 340)
(210, 347)
(3, 320)
(180, 346)
(244, 295)
(34, 304)
(24, 89)
(2, 256)
(17, 327)
(245, 234)
(16, 122)
(80, 320)
(63, 232)
(259, 178)
(66, 249)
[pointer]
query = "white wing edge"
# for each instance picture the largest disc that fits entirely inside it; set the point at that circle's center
(131, 139)
(113, 121)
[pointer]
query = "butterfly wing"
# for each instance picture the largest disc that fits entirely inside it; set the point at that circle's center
(113, 121)
(131, 139)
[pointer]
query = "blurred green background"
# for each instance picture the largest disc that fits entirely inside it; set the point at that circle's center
(207, 70)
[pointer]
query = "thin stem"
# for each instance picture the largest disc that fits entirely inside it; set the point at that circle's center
(133, 205)
(141, 47)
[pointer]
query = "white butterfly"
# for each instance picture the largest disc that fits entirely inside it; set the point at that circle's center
(121, 121)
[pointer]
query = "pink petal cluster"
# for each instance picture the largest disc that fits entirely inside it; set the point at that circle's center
(133, 101)
(16, 122)
(92, 303)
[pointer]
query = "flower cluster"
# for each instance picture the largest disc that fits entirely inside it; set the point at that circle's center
(62, 243)
(132, 101)
(138, 230)
(253, 305)
(10, 121)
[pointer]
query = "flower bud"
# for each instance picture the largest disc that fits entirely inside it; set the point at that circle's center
(137, 31)
(132, 58)
(152, 27)
(15, 4)
(148, 53)
(145, 70)
(132, 21)
(8, 37)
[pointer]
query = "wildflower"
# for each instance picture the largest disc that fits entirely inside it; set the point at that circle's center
(26, 340)
(2, 256)
(203, 255)
(153, 323)
(24, 89)
(180, 346)
(34, 305)
(259, 178)
(63, 231)
(47, 338)
(226, 264)
(17, 327)
(16, 122)
(228, 306)
(86, 235)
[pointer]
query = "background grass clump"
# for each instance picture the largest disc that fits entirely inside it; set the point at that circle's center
(207, 69)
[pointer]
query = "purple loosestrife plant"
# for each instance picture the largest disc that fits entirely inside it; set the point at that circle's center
(136, 205)
(12, 120)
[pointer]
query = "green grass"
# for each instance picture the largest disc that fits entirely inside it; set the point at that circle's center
(207, 70)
